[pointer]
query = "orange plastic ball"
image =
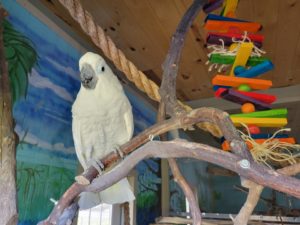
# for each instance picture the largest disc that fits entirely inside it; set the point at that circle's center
(248, 108)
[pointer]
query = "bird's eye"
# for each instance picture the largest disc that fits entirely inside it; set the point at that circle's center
(102, 68)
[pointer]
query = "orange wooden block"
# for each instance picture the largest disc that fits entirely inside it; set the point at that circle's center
(257, 84)
(224, 26)
(226, 146)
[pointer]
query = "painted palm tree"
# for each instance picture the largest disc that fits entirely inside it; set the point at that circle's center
(21, 57)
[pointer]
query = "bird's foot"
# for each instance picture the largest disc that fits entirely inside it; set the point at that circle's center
(97, 164)
(119, 151)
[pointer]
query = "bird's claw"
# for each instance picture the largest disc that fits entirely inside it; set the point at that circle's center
(119, 152)
(97, 164)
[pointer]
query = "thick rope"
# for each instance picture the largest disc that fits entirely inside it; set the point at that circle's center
(110, 50)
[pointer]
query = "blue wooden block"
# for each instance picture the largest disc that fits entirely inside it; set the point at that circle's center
(239, 69)
(254, 71)
(222, 18)
(216, 87)
(266, 136)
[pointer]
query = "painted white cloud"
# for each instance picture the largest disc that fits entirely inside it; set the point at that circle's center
(32, 139)
(65, 69)
(38, 81)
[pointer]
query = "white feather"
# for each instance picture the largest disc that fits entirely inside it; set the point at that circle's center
(102, 120)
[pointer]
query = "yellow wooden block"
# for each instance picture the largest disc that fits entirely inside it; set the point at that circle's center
(233, 46)
(242, 55)
(261, 122)
(230, 7)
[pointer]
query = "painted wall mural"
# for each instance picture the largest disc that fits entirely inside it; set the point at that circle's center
(44, 75)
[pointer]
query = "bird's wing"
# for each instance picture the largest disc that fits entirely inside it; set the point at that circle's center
(78, 142)
(128, 118)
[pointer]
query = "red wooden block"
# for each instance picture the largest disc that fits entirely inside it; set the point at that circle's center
(269, 99)
(237, 97)
(237, 35)
(219, 92)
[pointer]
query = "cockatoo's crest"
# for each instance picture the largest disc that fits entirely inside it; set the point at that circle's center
(96, 61)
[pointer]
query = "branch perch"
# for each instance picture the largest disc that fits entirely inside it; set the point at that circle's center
(170, 67)
(255, 191)
(211, 115)
(258, 173)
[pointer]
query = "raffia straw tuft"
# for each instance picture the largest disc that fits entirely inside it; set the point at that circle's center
(272, 150)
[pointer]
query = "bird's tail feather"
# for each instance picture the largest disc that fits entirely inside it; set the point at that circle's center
(89, 200)
(118, 193)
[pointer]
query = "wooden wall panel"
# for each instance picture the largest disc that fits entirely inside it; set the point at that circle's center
(143, 29)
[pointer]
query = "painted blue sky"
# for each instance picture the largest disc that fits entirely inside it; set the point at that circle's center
(43, 118)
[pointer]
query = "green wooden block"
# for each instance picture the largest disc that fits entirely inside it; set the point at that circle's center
(273, 113)
(229, 59)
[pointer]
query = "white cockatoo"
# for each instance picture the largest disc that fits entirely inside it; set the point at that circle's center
(102, 121)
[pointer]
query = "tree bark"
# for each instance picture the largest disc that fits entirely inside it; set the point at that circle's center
(8, 206)
(170, 66)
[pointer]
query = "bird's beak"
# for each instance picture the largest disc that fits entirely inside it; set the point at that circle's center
(88, 77)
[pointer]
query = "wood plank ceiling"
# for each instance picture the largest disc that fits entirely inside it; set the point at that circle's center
(143, 28)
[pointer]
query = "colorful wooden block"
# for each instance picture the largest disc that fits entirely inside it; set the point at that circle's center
(273, 113)
(217, 87)
(223, 26)
(242, 55)
(214, 38)
(236, 81)
(255, 70)
(266, 136)
(226, 146)
(229, 8)
(236, 97)
(219, 92)
(229, 59)
(261, 122)
(266, 98)
(222, 18)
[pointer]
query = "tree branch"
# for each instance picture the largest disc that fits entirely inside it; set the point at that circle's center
(8, 193)
(255, 172)
(170, 66)
(255, 191)
(195, 116)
